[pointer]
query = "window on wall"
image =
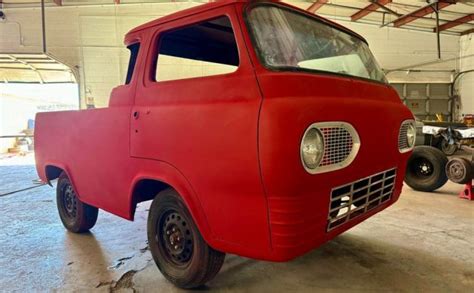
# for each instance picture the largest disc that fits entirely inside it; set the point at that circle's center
(134, 48)
(200, 50)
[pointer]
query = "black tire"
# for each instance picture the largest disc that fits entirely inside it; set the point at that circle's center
(426, 169)
(76, 216)
(460, 170)
(176, 244)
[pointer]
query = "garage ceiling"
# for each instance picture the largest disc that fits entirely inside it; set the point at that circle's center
(456, 16)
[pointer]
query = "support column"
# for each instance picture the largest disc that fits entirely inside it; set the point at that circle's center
(465, 85)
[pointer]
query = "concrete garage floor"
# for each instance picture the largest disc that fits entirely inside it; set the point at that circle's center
(425, 242)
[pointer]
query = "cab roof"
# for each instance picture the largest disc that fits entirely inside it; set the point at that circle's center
(132, 35)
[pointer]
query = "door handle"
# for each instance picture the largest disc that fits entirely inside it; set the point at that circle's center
(136, 114)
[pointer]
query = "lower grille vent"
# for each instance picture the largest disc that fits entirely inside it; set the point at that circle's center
(359, 197)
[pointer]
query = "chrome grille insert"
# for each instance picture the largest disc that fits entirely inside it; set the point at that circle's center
(358, 197)
(403, 145)
(341, 145)
(402, 137)
(338, 145)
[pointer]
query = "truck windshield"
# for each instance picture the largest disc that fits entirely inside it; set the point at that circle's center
(289, 40)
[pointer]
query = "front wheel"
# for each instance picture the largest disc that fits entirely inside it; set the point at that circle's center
(426, 169)
(176, 244)
(75, 215)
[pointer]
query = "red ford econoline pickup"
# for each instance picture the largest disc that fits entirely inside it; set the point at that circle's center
(256, 128)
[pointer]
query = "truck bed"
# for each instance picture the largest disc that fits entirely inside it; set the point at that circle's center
(87, 142)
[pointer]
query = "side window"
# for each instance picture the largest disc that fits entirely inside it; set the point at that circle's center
(134, 48)
(203, 49)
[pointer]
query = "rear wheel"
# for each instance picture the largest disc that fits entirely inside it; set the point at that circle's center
(75, 215)
(426, 169)
(176, 244)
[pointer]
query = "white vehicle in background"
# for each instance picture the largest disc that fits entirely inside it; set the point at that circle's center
(451, 138)
(446, 136)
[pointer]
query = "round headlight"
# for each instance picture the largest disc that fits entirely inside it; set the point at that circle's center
(411, 135)
(312, 148)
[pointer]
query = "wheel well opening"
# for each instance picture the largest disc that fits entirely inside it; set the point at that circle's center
(145, 190)
(53, 172)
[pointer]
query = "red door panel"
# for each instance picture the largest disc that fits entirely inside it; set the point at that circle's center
(207, 129)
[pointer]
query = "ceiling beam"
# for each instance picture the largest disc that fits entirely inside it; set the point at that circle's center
(470, 31)
(316, 5)
(420, 12)
(369, 8)
(456, 22)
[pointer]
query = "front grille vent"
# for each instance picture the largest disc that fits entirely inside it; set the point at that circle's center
(357, 198)
(338, 145)
(403, 145)
(341, 145)
(402, 137)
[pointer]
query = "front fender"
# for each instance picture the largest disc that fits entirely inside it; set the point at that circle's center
(168, 174)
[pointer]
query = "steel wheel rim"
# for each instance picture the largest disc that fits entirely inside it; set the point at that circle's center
(423, 168)
(69, 201)
(457, 170)
(175, 238)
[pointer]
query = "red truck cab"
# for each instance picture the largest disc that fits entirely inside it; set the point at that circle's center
(256, 128)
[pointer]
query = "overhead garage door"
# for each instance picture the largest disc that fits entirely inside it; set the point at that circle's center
(33, 68)
(426, 100)
(31, 83)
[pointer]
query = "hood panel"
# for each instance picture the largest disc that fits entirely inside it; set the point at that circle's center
(292, 102)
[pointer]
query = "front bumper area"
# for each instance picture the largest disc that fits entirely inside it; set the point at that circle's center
(299, 223)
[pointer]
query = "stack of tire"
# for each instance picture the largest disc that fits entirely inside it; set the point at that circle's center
(429, 168)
